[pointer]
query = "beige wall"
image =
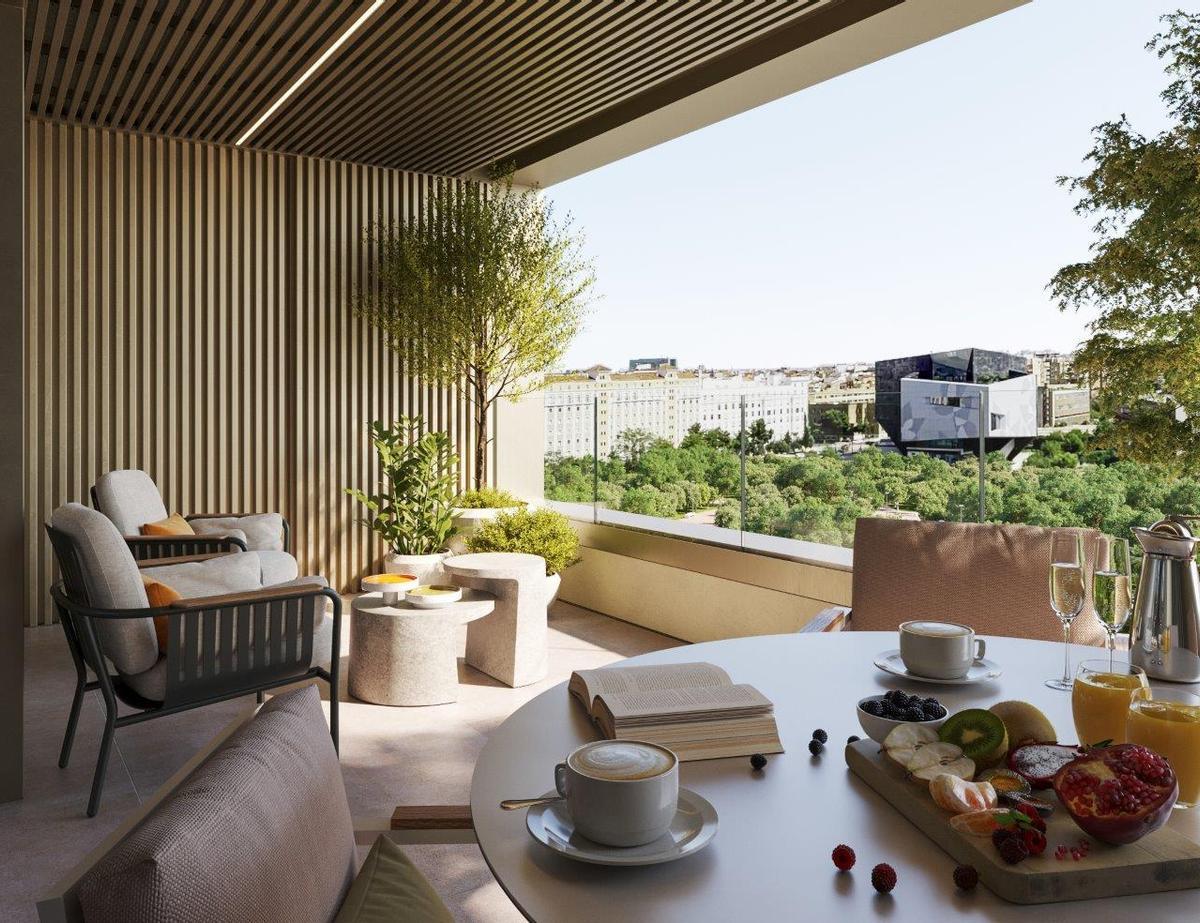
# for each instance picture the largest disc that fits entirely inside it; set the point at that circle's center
(697, 592)
(187, 313)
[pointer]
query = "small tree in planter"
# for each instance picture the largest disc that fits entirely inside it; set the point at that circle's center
(483, 288)
(542, 532)
(413, 511)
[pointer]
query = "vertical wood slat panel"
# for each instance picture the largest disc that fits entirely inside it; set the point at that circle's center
(187, 312)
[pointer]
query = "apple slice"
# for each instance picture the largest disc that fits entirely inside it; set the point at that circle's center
(905, 740)
(937, 758)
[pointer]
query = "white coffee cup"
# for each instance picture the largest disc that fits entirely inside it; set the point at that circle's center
(939, 650)
(620, 792)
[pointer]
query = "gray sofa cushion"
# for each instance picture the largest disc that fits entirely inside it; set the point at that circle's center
(130, 499)
(264, 531)
(230, 573)
(113, 582)
(277, 567)
(260, 832)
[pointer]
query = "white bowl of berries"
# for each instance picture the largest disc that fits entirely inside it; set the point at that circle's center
(878, 714)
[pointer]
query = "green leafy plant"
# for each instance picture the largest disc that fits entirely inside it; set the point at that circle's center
(489, 498)
(483, 288)
(412, 511)
(541, 532)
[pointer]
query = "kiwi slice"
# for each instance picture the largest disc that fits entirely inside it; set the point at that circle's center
(981, 735)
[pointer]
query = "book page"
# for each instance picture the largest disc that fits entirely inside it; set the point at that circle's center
(693, 702)
(588, 684)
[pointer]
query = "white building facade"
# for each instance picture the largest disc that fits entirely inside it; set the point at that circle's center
(600, 405)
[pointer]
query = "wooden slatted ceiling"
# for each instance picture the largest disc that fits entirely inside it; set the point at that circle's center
(438, 87)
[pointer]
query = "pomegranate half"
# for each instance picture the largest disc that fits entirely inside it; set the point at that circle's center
(1118, 794)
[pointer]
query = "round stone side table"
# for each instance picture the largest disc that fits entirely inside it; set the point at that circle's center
(402, 655)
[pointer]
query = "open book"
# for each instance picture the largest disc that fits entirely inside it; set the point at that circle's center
(694, 709)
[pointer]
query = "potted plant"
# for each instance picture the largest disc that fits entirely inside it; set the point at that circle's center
(476, 507)
(531, 531)
(413, 511)
(491, 286)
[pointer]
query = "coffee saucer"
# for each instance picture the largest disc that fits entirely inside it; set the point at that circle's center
(693, 828)
(980, 671)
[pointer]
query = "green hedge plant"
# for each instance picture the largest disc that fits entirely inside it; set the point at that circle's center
(541, 532)
(418, 479)
(488, 498)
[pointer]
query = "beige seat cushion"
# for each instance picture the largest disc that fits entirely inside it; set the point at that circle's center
(389, 889)
(994, 578)
(260, 832)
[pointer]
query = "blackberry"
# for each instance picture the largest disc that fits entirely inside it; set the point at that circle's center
(966, 877)
(853, 739)
(898, 698)
(1000, 834)
(758, 761)
(815, 747)
(883, 878)
(819, 734)
(914, 714)
(932, 712)
(1013, 851)
(873, 707)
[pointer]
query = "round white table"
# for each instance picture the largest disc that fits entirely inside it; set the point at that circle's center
(770, 859)
(401, 654)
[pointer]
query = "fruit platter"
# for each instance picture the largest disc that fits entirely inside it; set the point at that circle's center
(1039, 820)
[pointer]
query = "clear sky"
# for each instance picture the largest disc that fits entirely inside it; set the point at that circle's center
(906, 206)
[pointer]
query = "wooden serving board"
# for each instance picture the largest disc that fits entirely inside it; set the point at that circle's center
(1162, 861)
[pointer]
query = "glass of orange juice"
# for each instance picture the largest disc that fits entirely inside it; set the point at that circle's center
(1167, 721)
(1100, 699)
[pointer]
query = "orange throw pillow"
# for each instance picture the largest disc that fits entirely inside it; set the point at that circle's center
(159, 595)
(174, 524)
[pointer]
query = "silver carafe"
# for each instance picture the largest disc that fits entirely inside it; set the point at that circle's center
(1164, 638)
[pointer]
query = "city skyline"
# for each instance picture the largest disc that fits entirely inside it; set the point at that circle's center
(889, 211)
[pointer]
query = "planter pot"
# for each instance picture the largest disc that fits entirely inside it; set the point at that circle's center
(467, 521)
(553, 582)
(427, 568)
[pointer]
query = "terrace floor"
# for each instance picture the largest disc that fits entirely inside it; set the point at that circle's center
(389, 756)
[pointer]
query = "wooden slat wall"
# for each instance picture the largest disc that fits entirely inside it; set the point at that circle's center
(187, 313)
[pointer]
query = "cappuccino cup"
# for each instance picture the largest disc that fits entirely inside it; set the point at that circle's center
(939, 650)
(620, 792)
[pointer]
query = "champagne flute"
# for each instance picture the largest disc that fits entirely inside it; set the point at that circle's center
(1066, 592)
(1112, 587)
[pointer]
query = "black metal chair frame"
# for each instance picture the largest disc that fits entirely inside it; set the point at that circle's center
(218, 648)
(153, 547)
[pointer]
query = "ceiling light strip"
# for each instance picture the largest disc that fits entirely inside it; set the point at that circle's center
(312, 69)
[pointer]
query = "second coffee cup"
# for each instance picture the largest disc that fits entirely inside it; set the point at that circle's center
(939, 650)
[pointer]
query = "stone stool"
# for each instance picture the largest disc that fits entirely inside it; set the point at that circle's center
(402, 655)
(510, 644)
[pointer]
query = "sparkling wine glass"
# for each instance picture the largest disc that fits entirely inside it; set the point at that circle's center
(1066, 592)
(1112, 586)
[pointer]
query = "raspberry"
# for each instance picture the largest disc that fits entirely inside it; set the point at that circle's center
(843, 857)
(883, 878)
(1013, 851)
(1034, 817)
(1034, 842)
(966, 877)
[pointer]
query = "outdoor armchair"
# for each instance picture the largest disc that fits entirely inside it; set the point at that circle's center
(131, 499)
(993, 577)
(218, 646)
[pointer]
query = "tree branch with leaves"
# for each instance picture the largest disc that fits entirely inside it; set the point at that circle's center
(1143, 194)
(485, 289)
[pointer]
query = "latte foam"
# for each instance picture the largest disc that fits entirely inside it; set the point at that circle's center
(622, 761)
(936, 629)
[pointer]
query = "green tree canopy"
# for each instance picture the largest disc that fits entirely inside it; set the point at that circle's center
(1143, 194)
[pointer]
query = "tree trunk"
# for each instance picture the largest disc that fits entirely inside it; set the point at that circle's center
(481, 433)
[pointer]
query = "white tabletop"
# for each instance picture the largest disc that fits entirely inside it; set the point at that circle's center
(770, 860)
(475, 604)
